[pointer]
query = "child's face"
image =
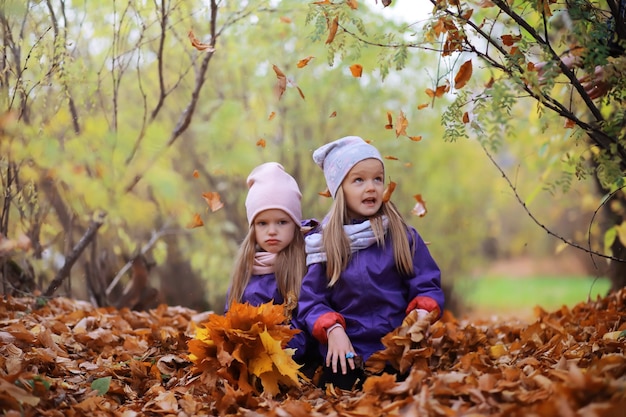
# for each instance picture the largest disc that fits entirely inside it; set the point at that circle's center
(363, 188)
(273, 230)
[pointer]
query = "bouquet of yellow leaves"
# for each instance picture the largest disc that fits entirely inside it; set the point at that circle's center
(246, 347)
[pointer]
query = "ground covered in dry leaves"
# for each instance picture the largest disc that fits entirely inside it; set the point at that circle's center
(67, 358)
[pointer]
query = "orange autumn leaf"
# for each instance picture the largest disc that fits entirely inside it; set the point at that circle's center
(281, 84)
(325, 193)
(388, 191)
(261, 143)
(439, 91)
(285, 19)
(212, 198)
(401, 125)
(420, 207)
(196, 174)
(356, 70)
(423, 106)
(199, 45)
(271, 116)
(466, 118)
(332, 30)
(304, 61)
(569, 124)
(467, 14)
(333, 114)
(415, 138)
(489, 83)
(389, 124)
(353, 4)
(510, 40)
(322, 2)
(463, 75)
(391, 158)
(195, 222)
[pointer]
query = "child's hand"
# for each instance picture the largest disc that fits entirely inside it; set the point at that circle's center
(339, 350)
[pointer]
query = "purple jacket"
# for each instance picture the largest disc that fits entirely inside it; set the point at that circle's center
(371, 297)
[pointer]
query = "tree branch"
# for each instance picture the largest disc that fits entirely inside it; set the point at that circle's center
(64, 272)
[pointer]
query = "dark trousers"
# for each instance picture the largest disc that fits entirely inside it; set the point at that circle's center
(353, 379)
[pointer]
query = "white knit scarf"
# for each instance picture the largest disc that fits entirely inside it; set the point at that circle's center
(361, 236)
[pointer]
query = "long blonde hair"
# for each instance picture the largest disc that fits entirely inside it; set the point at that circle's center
(336, 243)
(289, 267)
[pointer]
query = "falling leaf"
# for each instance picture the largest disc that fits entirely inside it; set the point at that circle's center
(281, 84)
(199, 45)
(415, 138)
(325, 193)
(353, 4)
(391, 157)
(333, 114)
(285, 19)
(332, 30)
(569, 124)
(463, 75)
(420, 207)
(212, 198)
(510, 40)
(439, 91)
(489, 83)
(423, 106)
(356, 70)
(466, 118)
(467, 13)
(389, 191)
(261, 143)
(389, 124)
(304, 62)
(401, 125)
(271, 116)
(196, 222)
(196, 174)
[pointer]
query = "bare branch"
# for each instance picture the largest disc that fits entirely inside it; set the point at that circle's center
(78, 249)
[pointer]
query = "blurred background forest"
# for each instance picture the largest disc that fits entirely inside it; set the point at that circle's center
(116, 131)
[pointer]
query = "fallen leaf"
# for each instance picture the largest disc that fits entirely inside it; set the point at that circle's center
(325, 193)
(423, 106)
(333, 114)
(415, 138)
(285, 19)
(261, 143)
(281, 84)
(271, 116)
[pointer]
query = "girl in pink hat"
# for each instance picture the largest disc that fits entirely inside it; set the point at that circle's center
(270, 263)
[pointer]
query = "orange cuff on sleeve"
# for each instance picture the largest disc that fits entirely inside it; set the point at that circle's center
(324, 322)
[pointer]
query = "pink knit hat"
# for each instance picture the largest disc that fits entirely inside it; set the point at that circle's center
(337, 159)
(270, 187)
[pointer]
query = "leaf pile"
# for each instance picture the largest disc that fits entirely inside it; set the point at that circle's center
(69, 358)
(246, 343)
